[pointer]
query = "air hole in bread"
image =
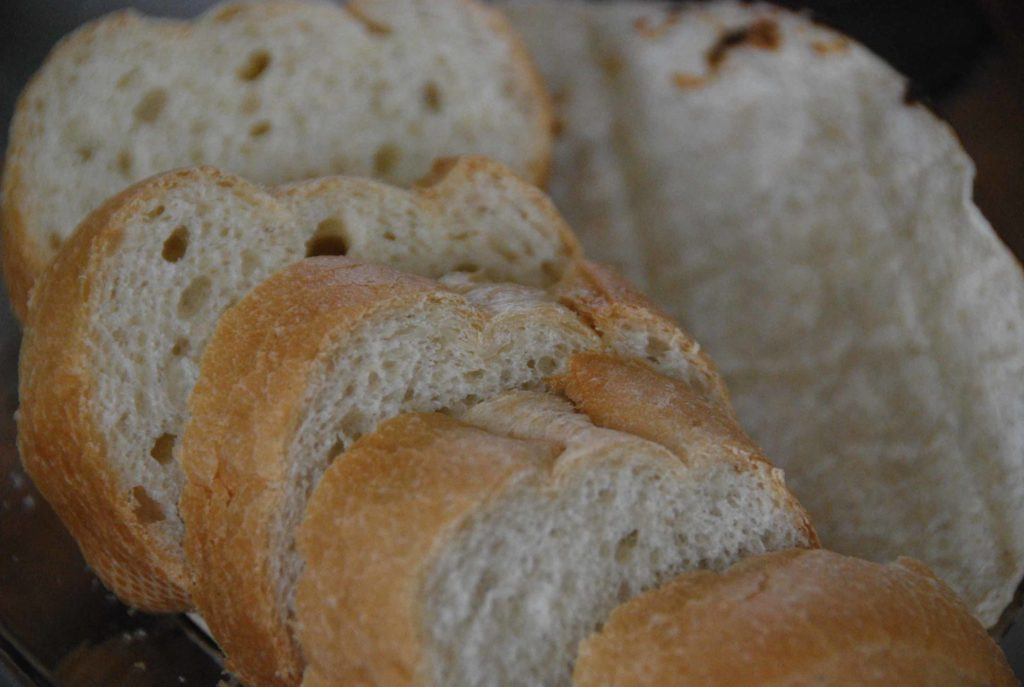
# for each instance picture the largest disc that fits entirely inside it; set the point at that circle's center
(146, 509)
(194, 297)
(251, 102)
(385, 159)
(175, 245)
(624, 549)
(389, 236)
(163, 449)
(255, 65)
(55, 241)
(551, 269)
(151, 105)
(467, 267)
(126, 79)
(259, 129)
(249, 262)
(431, 97)
(377, 28)
(85, 153)
(547, 365)
(181, 347)
(124, 163)
(329, 239)
(155, 212)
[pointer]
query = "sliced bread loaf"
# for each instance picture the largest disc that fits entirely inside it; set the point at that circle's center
(276, 91)
(319, 355)
(799, 619)
(445, 553)
(768, 182)
(112, 348)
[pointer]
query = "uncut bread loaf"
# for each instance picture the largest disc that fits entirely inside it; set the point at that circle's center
(481, 551)
(775, 188)
(322, 352)
(275, 91)
(795, 618)
(112, 349)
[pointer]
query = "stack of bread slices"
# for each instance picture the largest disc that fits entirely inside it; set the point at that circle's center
(390, 435)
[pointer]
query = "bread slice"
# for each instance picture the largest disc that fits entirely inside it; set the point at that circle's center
(120, 320)
(441, 552)
(767, 181)
(795, 618)
(311, 360)
(276, 91)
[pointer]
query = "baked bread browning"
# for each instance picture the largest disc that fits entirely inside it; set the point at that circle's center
(275, 91)
(119, 322)
(766, 181)
(307, 363)
(438, 553)
(795, 618)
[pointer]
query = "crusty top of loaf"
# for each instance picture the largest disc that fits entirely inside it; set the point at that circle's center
(795, 618)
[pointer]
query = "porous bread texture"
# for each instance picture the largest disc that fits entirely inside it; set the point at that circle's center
(120, 320)
(500, 588)
(795, 618)
(625, 514)
(767, 182)
(275, 91)
(305, 364)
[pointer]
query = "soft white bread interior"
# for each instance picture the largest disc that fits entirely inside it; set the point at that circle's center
(314, 358)
(795, 618)
(276, 91)
(768, 182)
(119, 321)
(443, 553)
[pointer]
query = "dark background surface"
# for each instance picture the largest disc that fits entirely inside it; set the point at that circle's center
(57, 623)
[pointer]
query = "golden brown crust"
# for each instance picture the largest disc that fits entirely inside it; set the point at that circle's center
(628, 396)
(795, 618)
(68, 308)
(60, 440)
(22, 257)
(253, 375)
(608, 302)
(372, 529)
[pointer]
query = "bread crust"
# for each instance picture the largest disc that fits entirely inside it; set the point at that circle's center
(26, 252)
(143, 570)
(611, 305)
(243, 412)
(59, 437)
(795, 618)
(363, 562)
(628, 396)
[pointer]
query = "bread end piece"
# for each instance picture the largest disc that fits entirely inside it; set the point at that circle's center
(793, 618)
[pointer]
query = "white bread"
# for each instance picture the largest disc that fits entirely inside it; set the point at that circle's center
(768, 184)
(795, 618)
(275, 91)
(440, 553)
(119, 322)
(319, 355)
